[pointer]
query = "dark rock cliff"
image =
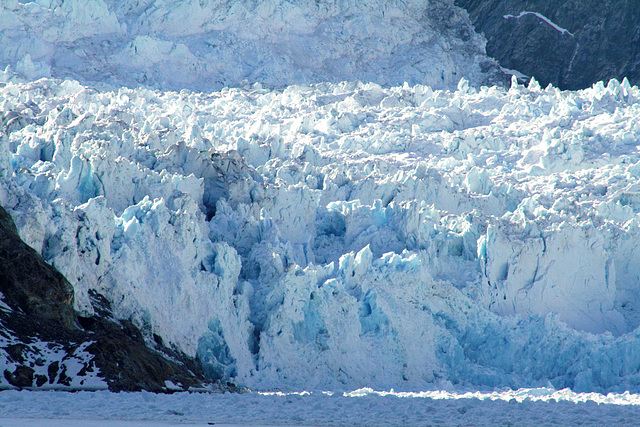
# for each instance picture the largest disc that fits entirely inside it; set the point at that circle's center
(601, 41)
(45, 344)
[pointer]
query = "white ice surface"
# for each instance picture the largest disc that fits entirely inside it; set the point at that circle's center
(72, 362)
(336, 236)
(527, 407)
(207, 45)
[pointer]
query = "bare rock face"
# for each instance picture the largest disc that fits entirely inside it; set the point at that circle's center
(568, 43)
(45, 344)
(27, 281)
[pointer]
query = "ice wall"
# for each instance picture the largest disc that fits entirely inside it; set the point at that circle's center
(207, 45)
(343, 235)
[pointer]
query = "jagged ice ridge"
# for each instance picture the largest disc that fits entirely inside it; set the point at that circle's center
(210, 44)
(345, 235)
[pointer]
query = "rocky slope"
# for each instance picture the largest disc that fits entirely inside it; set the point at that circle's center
(45, 344)
(568, 43)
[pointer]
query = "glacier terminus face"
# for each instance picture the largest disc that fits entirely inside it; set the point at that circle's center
(340, 235)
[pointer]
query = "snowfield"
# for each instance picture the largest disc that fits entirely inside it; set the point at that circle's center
(207, 45)
(365, 407)
(347, 235)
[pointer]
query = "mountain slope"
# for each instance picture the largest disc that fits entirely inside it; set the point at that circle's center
(570, 44)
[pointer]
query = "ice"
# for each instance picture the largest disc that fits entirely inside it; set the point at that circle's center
(357, 407)
(343, 235)
(207, 45)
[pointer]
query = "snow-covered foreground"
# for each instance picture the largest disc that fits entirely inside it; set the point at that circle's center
(338, 236)
(527, 407)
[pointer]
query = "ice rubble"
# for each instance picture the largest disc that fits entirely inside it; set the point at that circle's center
(362, 407)
(211, 44)
(343, 235)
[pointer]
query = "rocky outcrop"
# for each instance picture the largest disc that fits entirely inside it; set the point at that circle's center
(26, 281)
(45, 344)
(568, 43)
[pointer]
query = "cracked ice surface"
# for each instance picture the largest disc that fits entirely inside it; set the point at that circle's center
(346, 235)
(362, 407)
(207, 45)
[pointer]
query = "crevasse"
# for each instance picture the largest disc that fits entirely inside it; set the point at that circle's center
(345, 235)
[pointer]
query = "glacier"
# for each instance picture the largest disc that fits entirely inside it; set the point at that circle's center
(210, 44)
(343, 235)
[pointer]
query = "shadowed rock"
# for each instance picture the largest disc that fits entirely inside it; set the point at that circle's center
(601, 41)
(28, 282)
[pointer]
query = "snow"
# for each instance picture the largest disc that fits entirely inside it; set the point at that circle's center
(359, 407)
(41, 355)
(309, 196)
(515, 73)
(3, 305)
(542, 18)
(345, 235)
(208, 45)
